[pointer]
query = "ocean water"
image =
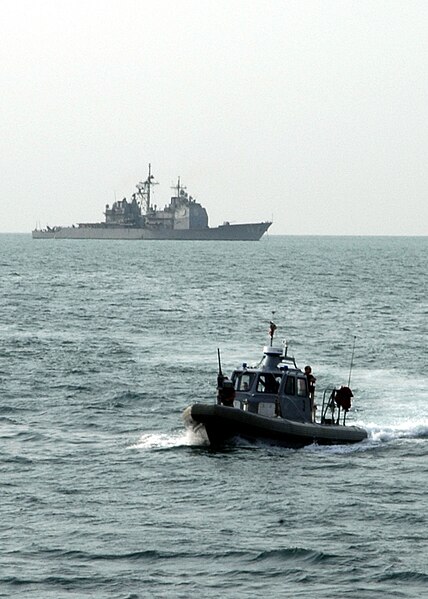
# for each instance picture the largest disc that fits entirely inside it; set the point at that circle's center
(103, 492)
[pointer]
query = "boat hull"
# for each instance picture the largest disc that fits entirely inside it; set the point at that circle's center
(223, 424)
(238, 232)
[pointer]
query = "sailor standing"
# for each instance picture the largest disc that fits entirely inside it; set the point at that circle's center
(311, 387)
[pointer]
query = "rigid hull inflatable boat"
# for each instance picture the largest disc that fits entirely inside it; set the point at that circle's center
(274, 402)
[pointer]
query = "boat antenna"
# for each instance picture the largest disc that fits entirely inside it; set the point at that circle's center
(352, 361)
(220, 377)
(219, 362)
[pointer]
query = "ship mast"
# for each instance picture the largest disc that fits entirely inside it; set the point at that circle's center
(144, 190)
(149, 182)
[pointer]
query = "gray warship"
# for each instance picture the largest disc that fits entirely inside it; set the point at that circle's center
(182, 218)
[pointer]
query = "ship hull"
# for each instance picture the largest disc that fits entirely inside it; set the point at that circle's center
(222, 424)
(239, 232)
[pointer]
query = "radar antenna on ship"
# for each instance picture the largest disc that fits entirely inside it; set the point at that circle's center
(144, 190)
(179, 189)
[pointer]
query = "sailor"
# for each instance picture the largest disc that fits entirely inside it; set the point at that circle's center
(226, 393)
(311, 380)
(271, 385)
(311, 388)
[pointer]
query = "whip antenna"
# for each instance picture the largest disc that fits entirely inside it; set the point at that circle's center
(352, 361)
(220, 377)
(219, 362)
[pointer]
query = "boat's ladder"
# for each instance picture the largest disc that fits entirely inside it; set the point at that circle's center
(331, 413)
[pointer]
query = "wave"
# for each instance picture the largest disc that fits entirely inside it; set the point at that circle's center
(294, 554)
(147, 555)
(405, 576)
(7, 420)
(8, 409)
(405, 430)
(120, 399)
(15, 459)
(376, 434)
(168, 441)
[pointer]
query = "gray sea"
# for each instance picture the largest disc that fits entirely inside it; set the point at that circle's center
(105, 495)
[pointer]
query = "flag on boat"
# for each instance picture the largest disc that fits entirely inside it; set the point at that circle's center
(272, 329)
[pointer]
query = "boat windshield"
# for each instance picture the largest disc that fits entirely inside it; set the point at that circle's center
(243, 381)
(302, 389)
(268, 383)
(296, 386)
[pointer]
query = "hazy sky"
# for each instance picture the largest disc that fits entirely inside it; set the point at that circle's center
(310, 112)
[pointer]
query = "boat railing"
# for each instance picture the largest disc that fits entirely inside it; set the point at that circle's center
(331, 413)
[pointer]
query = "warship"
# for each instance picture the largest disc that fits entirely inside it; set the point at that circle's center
(138, 218)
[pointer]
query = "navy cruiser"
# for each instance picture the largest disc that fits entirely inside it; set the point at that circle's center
(138, 218)
(274, 402)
